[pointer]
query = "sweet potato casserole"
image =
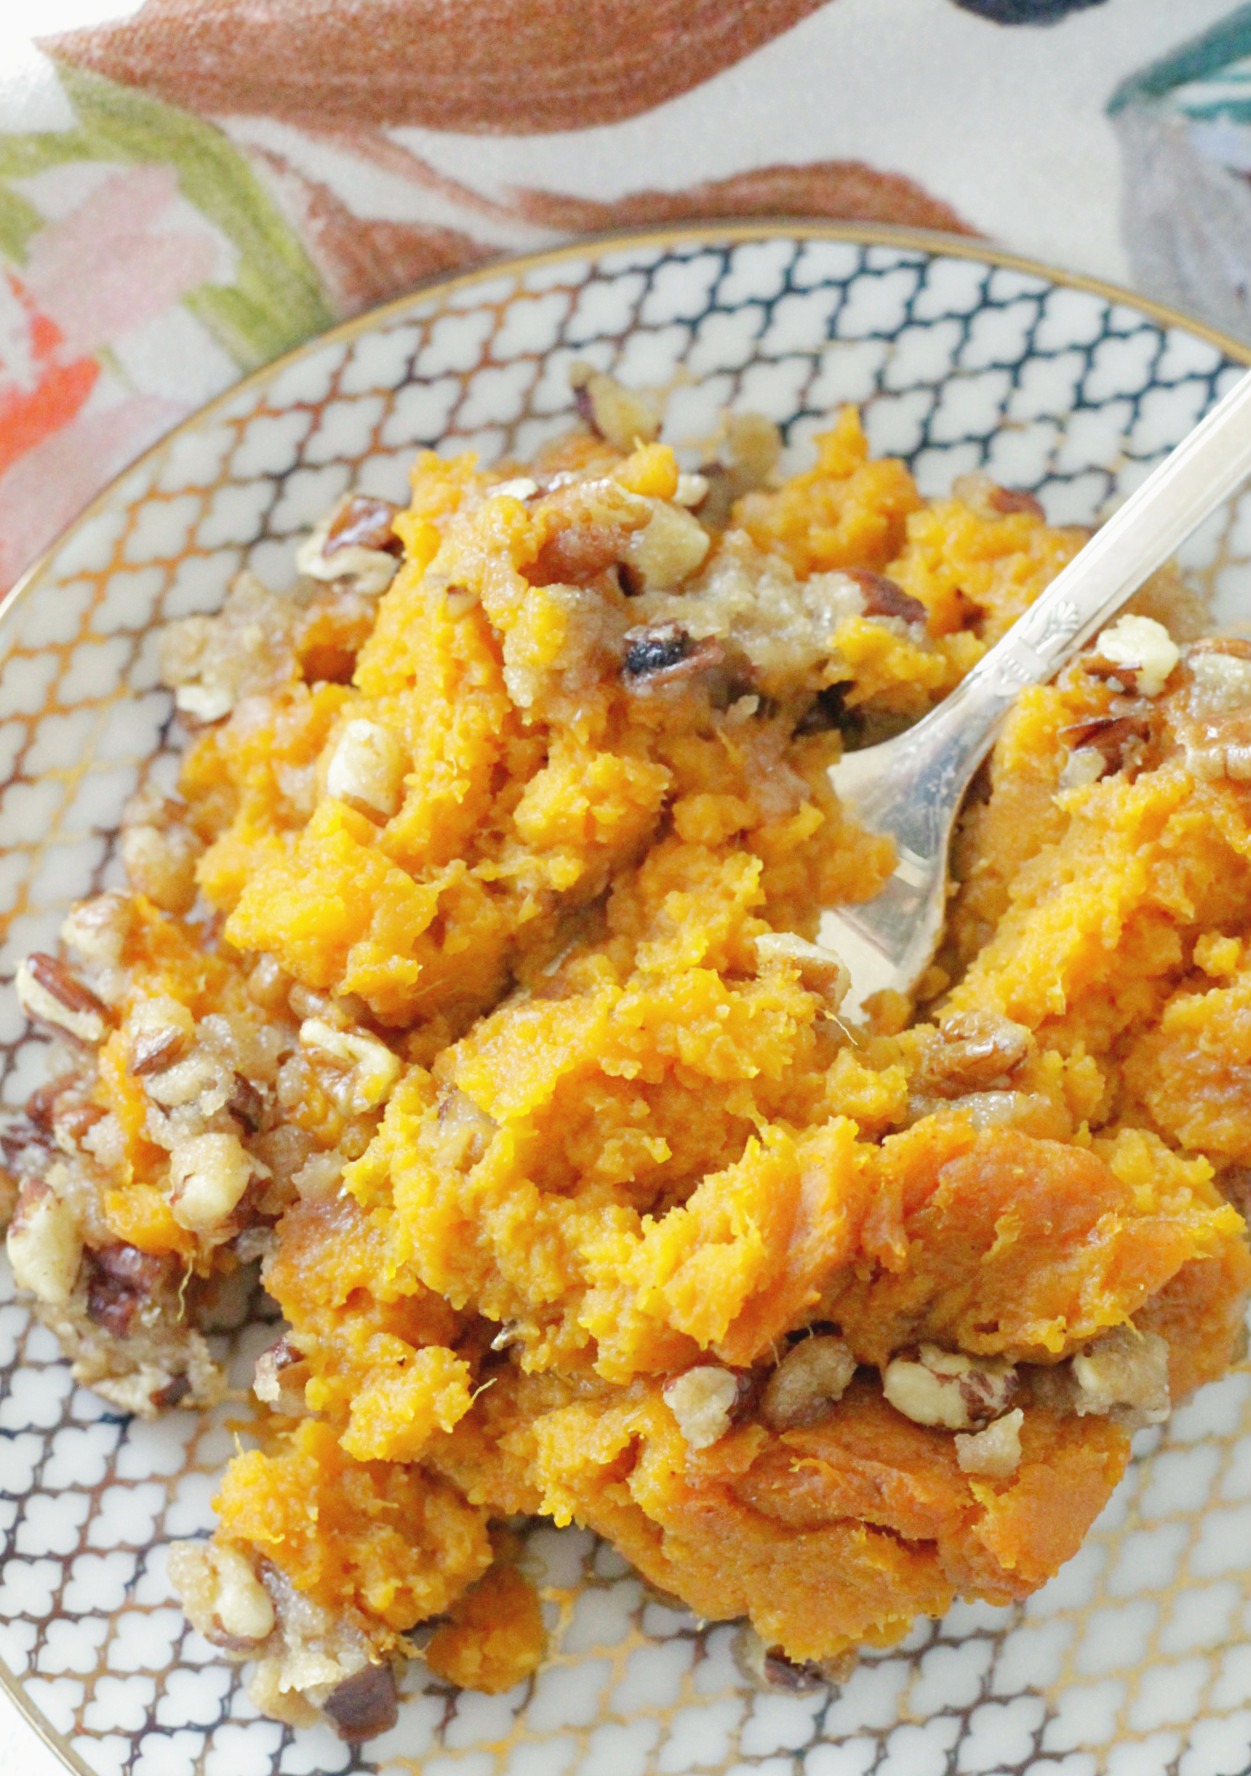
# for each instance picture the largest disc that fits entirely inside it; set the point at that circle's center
(471, 986)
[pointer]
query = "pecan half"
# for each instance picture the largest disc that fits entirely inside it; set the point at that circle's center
(949, 1389)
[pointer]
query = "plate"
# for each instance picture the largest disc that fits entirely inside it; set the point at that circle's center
(1133, 1658)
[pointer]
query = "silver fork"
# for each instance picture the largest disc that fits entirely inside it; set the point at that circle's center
(911, 787)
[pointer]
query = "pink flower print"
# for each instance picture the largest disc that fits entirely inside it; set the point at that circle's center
(55, 477)
(119, 259)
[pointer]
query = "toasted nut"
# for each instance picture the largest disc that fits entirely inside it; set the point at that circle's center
(363, 521)
(159, 1032)
(949, 1389)
(1124, 1375)
(44, 1244)
(208, 1176)
(754, 445)
(884, 597)
(1084, 766)
(994, 1452)
(770, 1669)
(160, 851)
(375, 1067)
(703, 1401)
(49, 992)
(97, 929)
(1221, 681)
(1103, 746)
(281, 1373)
(812, 1376)
(223, 1597)
(618, 414)
(367, 769)
(669, 547)
(691, 491)
(985, 497)
(822, 971)
(206, 700)
(352, 543)
(1136, 653)
(972, 1050)
(458, 601)
(121, 1281)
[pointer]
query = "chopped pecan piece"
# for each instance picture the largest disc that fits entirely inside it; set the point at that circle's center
(995, 1452)
(822, 971)
(159, 1032)
(222, 1595)
(362, 521)
(1136, 654)
(883, 597)
(1124, 1374)
(281, 1373)
(51, 994)
(989, 500)
(769, 1668)
(246, 1104)
(120, 1279)
(812, 1377)
(208, 1177)
(578, 553)
(621, 416)
(44, 1245)
(160, 851)
(668, 548)
(705, 1400)
(1117, 743)
(367, 769)
(970, 1052)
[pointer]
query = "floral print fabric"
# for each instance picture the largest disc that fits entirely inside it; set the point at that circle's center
(189, 187)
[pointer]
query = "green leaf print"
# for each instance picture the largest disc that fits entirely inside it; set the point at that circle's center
(276, 298)
(19, 220)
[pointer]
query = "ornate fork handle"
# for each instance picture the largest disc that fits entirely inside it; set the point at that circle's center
(911, 787)
(938, 756)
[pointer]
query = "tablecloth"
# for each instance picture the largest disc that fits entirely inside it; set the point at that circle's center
(189, 187)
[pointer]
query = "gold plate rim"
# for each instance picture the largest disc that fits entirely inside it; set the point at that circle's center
(930, 241)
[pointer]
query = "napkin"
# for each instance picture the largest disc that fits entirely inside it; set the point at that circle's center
(190, 187)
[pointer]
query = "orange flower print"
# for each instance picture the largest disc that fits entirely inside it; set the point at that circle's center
(42, 383)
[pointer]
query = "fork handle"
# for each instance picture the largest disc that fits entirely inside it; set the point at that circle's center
(935, 760)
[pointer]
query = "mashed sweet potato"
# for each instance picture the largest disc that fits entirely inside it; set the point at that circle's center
(505, 1043)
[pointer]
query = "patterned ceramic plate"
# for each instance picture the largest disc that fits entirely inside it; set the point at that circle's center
(1137, 1658)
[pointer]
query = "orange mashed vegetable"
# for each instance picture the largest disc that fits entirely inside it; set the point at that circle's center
(627, 1142)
